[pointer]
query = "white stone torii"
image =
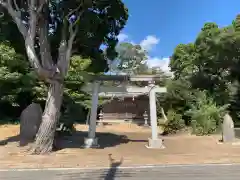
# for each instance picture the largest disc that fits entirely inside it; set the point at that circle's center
(91, 140)
(151, 89)
(121, 90)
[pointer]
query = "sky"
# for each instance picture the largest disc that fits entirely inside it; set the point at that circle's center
(160, 25)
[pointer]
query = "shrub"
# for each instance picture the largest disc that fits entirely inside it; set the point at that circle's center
(173, 123)
(206, 115)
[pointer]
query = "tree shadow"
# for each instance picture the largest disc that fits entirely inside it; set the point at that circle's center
(237, 135)
(105, 140)
(22, 142)
(76, 140)
(10, 140)
(237, 132)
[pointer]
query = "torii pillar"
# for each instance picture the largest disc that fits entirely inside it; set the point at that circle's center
(91, 141)
(154, 142)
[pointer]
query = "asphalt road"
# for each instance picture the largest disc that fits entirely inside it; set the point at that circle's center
(193, 172)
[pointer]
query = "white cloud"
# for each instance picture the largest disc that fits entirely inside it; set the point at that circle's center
(162, 63)
(122, 37)
(149, 42)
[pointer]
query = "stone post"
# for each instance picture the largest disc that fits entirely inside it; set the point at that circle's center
(100, 118)
(154, 141)
(145, 116)
(91, 140)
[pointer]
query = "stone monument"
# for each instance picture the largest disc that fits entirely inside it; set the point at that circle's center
(30, 121)
(228, 132)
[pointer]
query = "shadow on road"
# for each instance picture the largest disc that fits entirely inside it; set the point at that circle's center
(113, 168)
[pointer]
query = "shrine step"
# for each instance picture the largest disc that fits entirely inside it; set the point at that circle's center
(120, 121)
(113, 121)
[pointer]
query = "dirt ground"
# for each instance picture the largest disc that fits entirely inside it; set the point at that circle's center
(126, 142)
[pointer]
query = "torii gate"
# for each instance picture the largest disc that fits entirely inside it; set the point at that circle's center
(97, 90)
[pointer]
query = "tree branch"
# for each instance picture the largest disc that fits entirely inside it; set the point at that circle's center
(42, 3)
(16, 15)
(73, 34)
(65, 48)
(69, 50)
(45, 50)
(16, 5)
(29, 40)
(3, 3)
(45, 70)
(31, 35)
(74, 10)
(32, 20)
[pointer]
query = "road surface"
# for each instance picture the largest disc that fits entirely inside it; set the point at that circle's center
(178, 172)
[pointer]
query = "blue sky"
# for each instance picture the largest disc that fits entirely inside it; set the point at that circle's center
(160, 25)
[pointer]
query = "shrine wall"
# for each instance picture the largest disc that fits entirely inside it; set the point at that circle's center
(128, 108)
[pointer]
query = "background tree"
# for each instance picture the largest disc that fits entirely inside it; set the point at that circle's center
(16, 83)
(207, 66)
(131, 59)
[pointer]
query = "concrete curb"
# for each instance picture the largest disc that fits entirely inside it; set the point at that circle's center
(121, 167)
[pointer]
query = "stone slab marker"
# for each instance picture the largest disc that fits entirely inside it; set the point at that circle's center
(30, 121)
(228, 133)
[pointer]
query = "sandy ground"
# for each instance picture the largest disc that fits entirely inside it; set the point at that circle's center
(126, 142)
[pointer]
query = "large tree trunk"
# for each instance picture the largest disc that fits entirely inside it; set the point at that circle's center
(45, 136)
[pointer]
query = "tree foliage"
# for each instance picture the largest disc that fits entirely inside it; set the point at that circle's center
(206, 77)
(16, 82)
